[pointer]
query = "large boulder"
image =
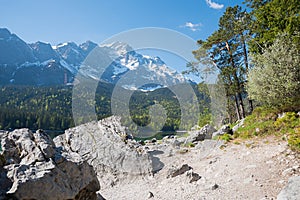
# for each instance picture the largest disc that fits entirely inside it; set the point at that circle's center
(104, 145)
(199, 135)
(291, 191)
(31, 167)
(223, 130)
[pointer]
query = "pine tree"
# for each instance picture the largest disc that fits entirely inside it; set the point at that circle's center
(273, 17)
(227, 51)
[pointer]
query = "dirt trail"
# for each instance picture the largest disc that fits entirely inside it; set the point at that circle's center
(256, 169)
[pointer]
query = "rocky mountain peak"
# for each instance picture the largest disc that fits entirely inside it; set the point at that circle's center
(117, 48)
(88, 46)
(4, 33)
(43, 51)
(22, 63)
(13, 50)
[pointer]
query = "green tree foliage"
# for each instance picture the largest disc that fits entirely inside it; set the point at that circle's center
(272, 17)
(226, 51)
(50, 108)
(275, 79)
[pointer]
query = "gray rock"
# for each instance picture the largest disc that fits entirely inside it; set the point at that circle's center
(153, 140)
(176, 143)
(281, 115)
(176, 171)
(150, 195)
(33, 168)
(215, 186)
(239, 124)
(100, 197)
(223, 130)
(102, 145)
(193, 176)
(291, 191)
(199, 135)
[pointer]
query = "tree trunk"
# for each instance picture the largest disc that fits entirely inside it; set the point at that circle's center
(237, 107)
(250, 105)
(243, 115)
(238, 84)
(247, 68)
(228, 110)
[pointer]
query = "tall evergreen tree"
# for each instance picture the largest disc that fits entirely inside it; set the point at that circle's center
(227, 50)
(272, 17)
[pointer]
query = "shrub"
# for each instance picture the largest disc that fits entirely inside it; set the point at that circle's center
(275, 78)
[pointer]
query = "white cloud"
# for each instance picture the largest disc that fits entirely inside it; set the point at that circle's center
(214, 5)
(191, 26)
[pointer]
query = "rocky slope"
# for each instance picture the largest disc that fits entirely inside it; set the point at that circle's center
(106, 147)
(193, 167)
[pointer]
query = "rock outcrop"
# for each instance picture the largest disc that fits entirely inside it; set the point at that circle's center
(223, 130)
(199, 135)
(104, 145)
(32, 167)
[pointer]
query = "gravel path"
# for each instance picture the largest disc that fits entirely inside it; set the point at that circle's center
(256, 169)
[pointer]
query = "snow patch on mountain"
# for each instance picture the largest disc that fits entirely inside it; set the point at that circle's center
(60, 45)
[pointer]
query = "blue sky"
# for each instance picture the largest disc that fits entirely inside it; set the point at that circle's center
(56, 21)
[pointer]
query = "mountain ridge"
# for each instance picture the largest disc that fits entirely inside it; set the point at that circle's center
(32, 64)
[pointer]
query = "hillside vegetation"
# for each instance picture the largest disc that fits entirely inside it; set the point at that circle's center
(257, 54)
(266, 121)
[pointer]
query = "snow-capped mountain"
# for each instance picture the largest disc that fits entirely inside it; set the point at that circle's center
(43, 64)
(135, 70)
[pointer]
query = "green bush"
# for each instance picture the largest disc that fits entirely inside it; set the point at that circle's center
(294, 140)
(275, 78)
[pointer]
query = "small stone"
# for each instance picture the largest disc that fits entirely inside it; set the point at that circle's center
(178, 171)
(288, 171)
(215, 186)
(296, 167)
(150, 195)
(193, 176)
(154, 140)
